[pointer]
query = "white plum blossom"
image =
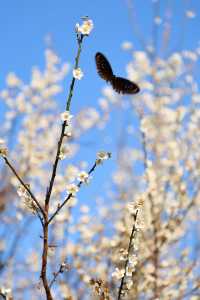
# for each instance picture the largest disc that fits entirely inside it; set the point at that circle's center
(6, 292)
(72, 188)
(101, 156)
(66, 116)
(68, 131)
(12, 80)
(63, 153)
(85, 28)
(2, 141)
(118, 273)
(83, 176)
(126, 45)
(78, 73)
(3, 151)
(190, 14)
(157, 20)
(87, 118)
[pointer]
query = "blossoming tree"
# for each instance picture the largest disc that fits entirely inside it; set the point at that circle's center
(142, 241)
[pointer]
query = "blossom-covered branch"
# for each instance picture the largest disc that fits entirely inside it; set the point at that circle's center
(130, 248)
(70, 195)
(80, 36)
(26, 187)
(101, 156)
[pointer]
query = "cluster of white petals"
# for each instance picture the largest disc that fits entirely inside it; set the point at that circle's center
(66, 116)
(85, 28)
(78, 73)
(101, 156)
(72, 188)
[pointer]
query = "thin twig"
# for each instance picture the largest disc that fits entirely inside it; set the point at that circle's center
(24, 185)
(60, 271)
(55, 165)
(70, 195)
(128, 255)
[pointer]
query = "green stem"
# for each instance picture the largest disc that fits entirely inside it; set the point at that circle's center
(49, 190)
(80, 40)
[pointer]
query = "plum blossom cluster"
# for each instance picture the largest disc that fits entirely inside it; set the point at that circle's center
(102, 156)
(78, 73)
(27, 199)
(5, 293)
(66, 116)
(3, 148)
(3, 151)
(85, 28)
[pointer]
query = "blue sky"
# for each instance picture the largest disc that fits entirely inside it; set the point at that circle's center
(24, 25)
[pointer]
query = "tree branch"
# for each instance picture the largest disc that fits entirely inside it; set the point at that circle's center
(128, 255)
(55, 165)
(24, 185)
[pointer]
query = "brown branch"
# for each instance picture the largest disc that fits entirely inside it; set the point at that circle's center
(130, 246)
(25, 186)
(44, 261)
(60, 271)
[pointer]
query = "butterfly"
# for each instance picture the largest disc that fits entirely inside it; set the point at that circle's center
(119, 84)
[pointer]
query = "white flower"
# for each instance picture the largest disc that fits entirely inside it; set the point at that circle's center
(196, 98)
(83, 176)
(133, 261)
(66, 116)
(129, 283)
(2, 141)
(22, 192)
(77, 73)
(190, 14)
(84, 209)
(127, 45)
(157, 20)
(68, 131)
(63, 153)
(102, 155)
(3, 151)
(72, 188)
(12, 80)
(118, 274)
(64, 266)
(175, 62)
(5, 292)
(85, 28)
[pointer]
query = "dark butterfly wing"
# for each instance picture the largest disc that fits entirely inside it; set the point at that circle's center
(119, 84)
(103, 67)
(124, 86)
